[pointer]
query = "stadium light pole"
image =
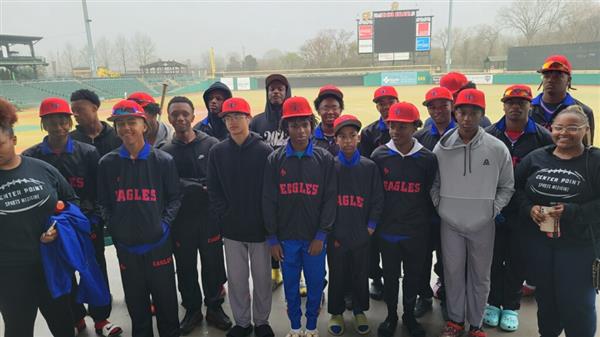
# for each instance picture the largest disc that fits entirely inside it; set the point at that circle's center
(449, 43)
(88, 30)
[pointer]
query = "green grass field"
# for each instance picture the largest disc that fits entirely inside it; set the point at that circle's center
(358, 101)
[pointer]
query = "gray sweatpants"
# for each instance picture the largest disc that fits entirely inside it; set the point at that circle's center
(242, 259)
(467, 263)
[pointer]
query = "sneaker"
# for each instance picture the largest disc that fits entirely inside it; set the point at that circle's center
(217, 317)
(276, 278)
(263, 331)
(107, 329)
(422, 306)
(191, 319)
(311, 333)
(452, 330)
(295, 333)
(336, 325)
(303, 290)
(491, 316)
(387, 327)
(376, 290)
(361, 324)
(476, 332)
(414, 328)
(239, 331)
(510, 320)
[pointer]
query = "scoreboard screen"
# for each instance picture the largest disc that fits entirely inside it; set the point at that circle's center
(394, 31)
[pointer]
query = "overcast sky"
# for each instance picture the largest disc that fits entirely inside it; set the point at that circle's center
(185, 29)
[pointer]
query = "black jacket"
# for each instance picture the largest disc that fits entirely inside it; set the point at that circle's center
(544, 179)
(299, 197)
(373, 136)
(214, 125)
(359, 200)
(78, 164)
(235, 184)
(407, 181)
(539, 116)
(28, 196)
(191, 160)
(429, 135)
(326, 142)
(105, 142)
(266, 124)
(138, 196)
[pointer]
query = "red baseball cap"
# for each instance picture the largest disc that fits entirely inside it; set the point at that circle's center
(453, 81)
(556, 63)
(437, 93)
(237, 105)
(54, 106)
(141, 98)
(296, 107)
(126, 108)
(517, 91)
(385, 91)
(403, 112)
(330, 89)
(471, 97)
(346, 120)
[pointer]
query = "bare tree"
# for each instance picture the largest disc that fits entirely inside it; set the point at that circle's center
(122, 50)
(531, 17)
(330, 48)
(580, 22)
(143, 48)
(69, 56)
(104, 52)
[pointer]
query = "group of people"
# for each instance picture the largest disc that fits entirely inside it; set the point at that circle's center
(271, 199)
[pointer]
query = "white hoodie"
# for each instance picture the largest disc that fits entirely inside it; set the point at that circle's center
(475, 180)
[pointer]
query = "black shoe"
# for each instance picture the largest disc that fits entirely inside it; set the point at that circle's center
(414, 328)
(387, 327)
(218, 318)
(348, 302)
(444, 311)
(376, 291)
(190, 320)
(238, 331)
(422, 306)
(263, 331)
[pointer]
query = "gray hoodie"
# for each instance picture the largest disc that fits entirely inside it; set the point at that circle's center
(475, 180)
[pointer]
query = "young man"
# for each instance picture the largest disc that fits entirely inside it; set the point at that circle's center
(408, 170)
(371, 137)
(213, 98)
(193, 232)
(521, 135)
(360, 203)
(138, 191)
(475, 174)
(556, 82)
(439, 102)
(299, 205)
(268, 125)
(329, 105)
(235, 179)
(78, 163)
(89, 129)
(159, 133)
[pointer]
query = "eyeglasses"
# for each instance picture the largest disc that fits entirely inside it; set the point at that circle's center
(234, 117)
(570, 128)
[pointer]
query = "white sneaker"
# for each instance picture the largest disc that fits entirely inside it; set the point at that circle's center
(295, 333)
(311, 333)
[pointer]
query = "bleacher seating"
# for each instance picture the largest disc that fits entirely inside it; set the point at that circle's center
(21, 95)
(118, 87)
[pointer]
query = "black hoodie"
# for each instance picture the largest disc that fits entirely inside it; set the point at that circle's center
(191, 160)
(266, 124)
(213, 125)
(105, 142)
(235, 184)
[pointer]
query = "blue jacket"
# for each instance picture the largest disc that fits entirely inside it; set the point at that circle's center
(73, 251)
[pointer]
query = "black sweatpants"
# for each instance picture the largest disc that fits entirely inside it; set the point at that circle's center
(405, 257)
(97, 313)
(507, 268)
(189, 240)
(425, 290)
(150, 274)
(375, 271)
(348, 269)
(23, 290)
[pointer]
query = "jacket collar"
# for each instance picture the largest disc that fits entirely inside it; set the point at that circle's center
(45, 147)
(143, 154)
